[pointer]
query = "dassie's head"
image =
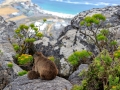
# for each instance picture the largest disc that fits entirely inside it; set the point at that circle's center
(37, 55)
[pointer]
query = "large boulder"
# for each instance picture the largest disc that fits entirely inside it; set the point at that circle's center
(111, 12)
(23, 83)
(75, 78)
(6, 76)
(61, 49)
(6, 52)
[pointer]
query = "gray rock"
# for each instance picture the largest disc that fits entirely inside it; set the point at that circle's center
(74, 78)
(6, 76)
(6, 33)
(22, 83)
(61, 50)
(111, 12)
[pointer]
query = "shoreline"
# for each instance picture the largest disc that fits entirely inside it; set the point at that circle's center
(57, 14)
(61, 15)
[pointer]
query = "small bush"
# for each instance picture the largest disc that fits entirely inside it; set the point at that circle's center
(103, 73)
(30, 40)
(51, 58)
(117, 54)
(75, 58)
(101, 38)
(44, 19)
(39, 34)
(25, 59)
(76, 87)
(16, 47)
(22, 73)
(10, 65)
(114, 42)
(25, 38)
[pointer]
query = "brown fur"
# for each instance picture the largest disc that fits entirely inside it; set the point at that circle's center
(33, 75)
(45, 67)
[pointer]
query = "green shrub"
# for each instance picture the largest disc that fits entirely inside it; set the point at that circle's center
(51, 58)
(16, 47)
(39, 34)
(32, 25)
(76, 87)
(10, 65)
(117, 53)
(30, 40)
(75, 58)
(44, 19)
(25, 38)
(103, 74)
(101, 38)
(25, 59)
(114, 42)
(22, 73)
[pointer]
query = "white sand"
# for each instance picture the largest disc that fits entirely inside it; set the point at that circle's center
(63, 15)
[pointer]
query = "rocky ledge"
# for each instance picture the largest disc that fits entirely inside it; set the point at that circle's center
(22, 83)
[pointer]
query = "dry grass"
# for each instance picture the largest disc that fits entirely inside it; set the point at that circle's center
(7, 10)
(17, 18)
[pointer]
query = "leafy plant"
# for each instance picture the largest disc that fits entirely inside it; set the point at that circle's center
(22, 73)
(117, 53)
(16, 47)
(26, 35)
(10, 65)
(75, 58)
(76, 87)
(51, 58)
(103, 74)
(101, 38)
(25, 59)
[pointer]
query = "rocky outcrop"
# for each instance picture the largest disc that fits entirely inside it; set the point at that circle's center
(111, 12)
(71, 40)
(75, 78)
(22, 83)
(6, 33)
(61, 50)
(6, 76)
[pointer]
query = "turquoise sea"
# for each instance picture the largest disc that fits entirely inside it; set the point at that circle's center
(73, 6)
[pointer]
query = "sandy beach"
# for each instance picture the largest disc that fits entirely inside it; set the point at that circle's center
(7, 10)
(17, 18)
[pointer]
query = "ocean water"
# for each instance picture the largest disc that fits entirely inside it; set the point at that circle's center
(73, 6)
